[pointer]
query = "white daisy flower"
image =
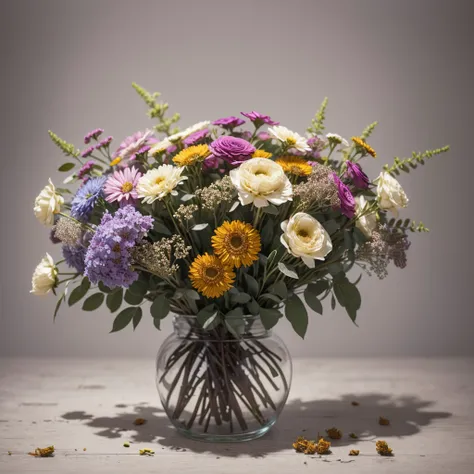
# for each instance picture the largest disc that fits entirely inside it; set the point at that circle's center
(159, 182)
(337, 139)
(291, 139)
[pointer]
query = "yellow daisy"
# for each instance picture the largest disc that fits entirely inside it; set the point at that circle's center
(116, 161)
(261, 154)
(210, 276)
(191, 155)
(365, 146)
(295, 165)
(236, 243)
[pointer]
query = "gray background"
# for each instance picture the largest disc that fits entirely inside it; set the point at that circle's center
(68, 66)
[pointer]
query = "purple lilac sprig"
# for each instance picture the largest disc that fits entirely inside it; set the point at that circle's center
(75, 256)
(93, 135)
(108, 256)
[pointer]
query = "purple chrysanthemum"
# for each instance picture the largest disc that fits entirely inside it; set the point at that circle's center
(232, 149)
(348, 203)
(108, 256)
(196, 137)
(88, 151)
(264, 136)
(75, 256)
(229, 122)
(259, 119)
(93, 135)
(358, 177)
(86, 198)
(132, 145)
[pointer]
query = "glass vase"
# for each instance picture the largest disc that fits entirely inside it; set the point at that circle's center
(226, 384)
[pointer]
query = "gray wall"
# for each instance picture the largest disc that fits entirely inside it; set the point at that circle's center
(68, 66)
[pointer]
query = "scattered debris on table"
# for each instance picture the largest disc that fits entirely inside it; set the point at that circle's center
(323, 446)
(383, 448)
(384, 421)
(146, 452)
(353, 436)
(355, 404)
(354, 452)
(334, 433)
(43, 452)
(139, 421)
(305, 446)
(126, 444)
(9, 453)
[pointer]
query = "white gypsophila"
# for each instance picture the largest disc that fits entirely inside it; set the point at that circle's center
(44, 277)
(159, 182)
(335, 138)
(47, 204)
(292, 139)
(390, 194)
(368, 222)
(306, 238)
(261, 181)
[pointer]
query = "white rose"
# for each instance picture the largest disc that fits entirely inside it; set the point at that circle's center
(390, 194)
(306, 238)
(44, 277)
(368, 222)
(47, 204)
(261, 181)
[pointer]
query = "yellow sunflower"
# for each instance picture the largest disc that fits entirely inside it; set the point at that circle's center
(261, 154)
(191, 155)
(210, 276)
(365, 146)
(294, 165)
(236, 243)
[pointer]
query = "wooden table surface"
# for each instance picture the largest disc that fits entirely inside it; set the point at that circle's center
(76, 404)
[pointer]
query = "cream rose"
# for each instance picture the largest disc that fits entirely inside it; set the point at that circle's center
(44, 277)
(47, 204)
(261, 181)
(390, 194)
(306, 238)
(368, 222)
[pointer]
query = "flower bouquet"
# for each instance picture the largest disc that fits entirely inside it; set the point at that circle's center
(229, 226)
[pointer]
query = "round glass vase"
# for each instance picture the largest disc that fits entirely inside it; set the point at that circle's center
(226, 384)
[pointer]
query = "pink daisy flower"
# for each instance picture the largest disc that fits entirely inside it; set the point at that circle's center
(121, 186)
(133, 145)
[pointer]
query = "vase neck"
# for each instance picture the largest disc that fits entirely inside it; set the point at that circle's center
(243, 327)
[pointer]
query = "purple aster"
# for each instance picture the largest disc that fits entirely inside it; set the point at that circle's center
(211, 162)
(108, 256)
(132, 145)
(264, 136)
(196, 137)
(85, 169)
(93, 135)
(75, 256)
(358, 177)
(104, 143)
(86, 198)
(348, 203)
(259, 119)
(87, 152)
(317, 144)
(229, 122)
(232, 149)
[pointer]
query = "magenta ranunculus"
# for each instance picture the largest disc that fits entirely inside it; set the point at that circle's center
(358, 177)
(229, 122)
(196, 137)
(232, 149)
(345, 196)
(259, 119)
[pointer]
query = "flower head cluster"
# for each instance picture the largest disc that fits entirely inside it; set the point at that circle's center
(108, 256)
(216, 193)
(232, 149)
(259, 119)
(356, 175)
(347, 201)
(229, 122)
(85, 170)
(122, 186)
(104, 143)
(196, 137)
(47, 204)
(334, 139)
(157, 183)
(185, 212)
(93, 135)
(75, 257)
(86, 198)
(295, 165)
(191, 155)
(45, 276)
(134, 144)
(289, 139)
(210, 276)
(87, 151)
(67, 231)
(364, 147)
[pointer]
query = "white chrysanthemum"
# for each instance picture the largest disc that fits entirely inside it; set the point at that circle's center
(292, 139)
(368, 222)
(390, 194)
(47, 204)
(306, 238)
(44, 277)
(260, 180)
(160, 146)
(159, 182)
(335, 138)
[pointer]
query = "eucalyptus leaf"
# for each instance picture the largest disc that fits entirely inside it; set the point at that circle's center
(161, 228)
(333, 302)
(58, 304)
(124, 318)
(137, 317)
(205, 313)
(331, 226)
(138, 288)
(157, 323)
(114, 300)
(187, 197)
(104, 289)
(192, 294)
(269, 317)
(272, 297)
(319, 287)
(253, 307)
(66, 167)
(93, 302)
(296, 313)
(348, 296)
(287, 270)
(234, 206)
(160, 307)
(279, 288)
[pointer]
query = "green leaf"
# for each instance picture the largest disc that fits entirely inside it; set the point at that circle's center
(253, 307)
(63, 191)
(79, 292)
(296, 313)
(252, 284)
(333, 302)
(312, 300)
(132, 299)
(269, 317)
(160, 307)
(192, 294)
(114, 300)
(211, 321)
(331, 226)
(206, 313)
(93, 302)
(139, 288)
(137, 318)
(199, 227)
(240, 298)
(348, 240)
(66, 167)
(124, 318)
(234, 206)
(157, 323)
(267, 232)
(335, 268)
(270, 209)
(187, 197)
(279, 289)
(105, 289)
(348, 296)
(270, 296)
(319, 287)
(287, 270)
(58, 304)
(161, 228)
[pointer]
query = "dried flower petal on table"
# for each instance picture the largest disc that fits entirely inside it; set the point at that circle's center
(139, 421)
(300, 444)
(334, 433)
(353, 436)
(383, 448)
(84, 449)
(355, 404)
(384, 421)
(354, 452)
(126, 444)
(9, 453)
(43, 452)
(146, 452)
(323, 446)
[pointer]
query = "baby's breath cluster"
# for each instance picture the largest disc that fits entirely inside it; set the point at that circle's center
(69, 232)
(216, 193)
(185, 212)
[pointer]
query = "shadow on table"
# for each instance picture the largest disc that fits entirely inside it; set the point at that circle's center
(407, 415)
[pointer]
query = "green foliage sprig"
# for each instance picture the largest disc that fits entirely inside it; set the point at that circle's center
(408, 224)
(157, 110)
(368, 130)
(417, 158)
(317, 123)
(67, 148)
